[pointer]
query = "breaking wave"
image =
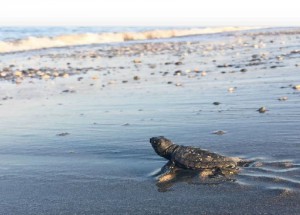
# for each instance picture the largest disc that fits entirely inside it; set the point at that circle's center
(32, 43)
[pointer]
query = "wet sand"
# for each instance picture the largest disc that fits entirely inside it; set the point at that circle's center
(79, 143)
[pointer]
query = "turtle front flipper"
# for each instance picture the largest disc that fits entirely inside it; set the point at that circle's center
(168, 178)
(168, 172)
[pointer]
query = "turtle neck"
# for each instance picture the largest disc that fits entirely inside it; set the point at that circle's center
(169, 151)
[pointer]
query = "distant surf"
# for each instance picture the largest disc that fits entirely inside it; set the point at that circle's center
(41, 42)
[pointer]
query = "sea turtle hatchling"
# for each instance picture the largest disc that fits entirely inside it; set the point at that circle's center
(192, 158)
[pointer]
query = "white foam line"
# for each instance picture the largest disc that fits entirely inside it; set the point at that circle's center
(32, 43)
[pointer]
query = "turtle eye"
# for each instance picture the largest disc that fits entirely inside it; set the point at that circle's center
(153, 140)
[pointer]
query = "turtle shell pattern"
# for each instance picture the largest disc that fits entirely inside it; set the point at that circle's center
(195, 158)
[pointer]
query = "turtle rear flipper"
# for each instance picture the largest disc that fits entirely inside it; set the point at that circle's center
(245, 163)
(206, 173)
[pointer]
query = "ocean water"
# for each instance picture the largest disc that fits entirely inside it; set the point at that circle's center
(18, 33)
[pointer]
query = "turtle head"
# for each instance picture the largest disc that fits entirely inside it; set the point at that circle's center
(160, 145)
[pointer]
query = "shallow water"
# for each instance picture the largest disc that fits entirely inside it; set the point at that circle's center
(107, 160)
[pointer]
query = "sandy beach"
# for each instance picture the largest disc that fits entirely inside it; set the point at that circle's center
(76, 123)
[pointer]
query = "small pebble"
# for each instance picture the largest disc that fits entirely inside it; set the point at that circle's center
(231, 89)
(40, 73)
(224, 65)
(45, 77)
(63, 134)
(7, 98)
(112, 82)
(55, 74)
(68, 91)
(178, 72)
(136, 78)
(137, 61)
(3, 74)
(283, 98)
(280, 58)
(65, 75)
(296, 87)
(152, 66)
(178, 63)
(262, 110)
(95, 77)
(220, 132)
(203, 73)
(18, 74)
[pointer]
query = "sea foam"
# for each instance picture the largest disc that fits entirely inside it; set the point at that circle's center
(32, 43)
